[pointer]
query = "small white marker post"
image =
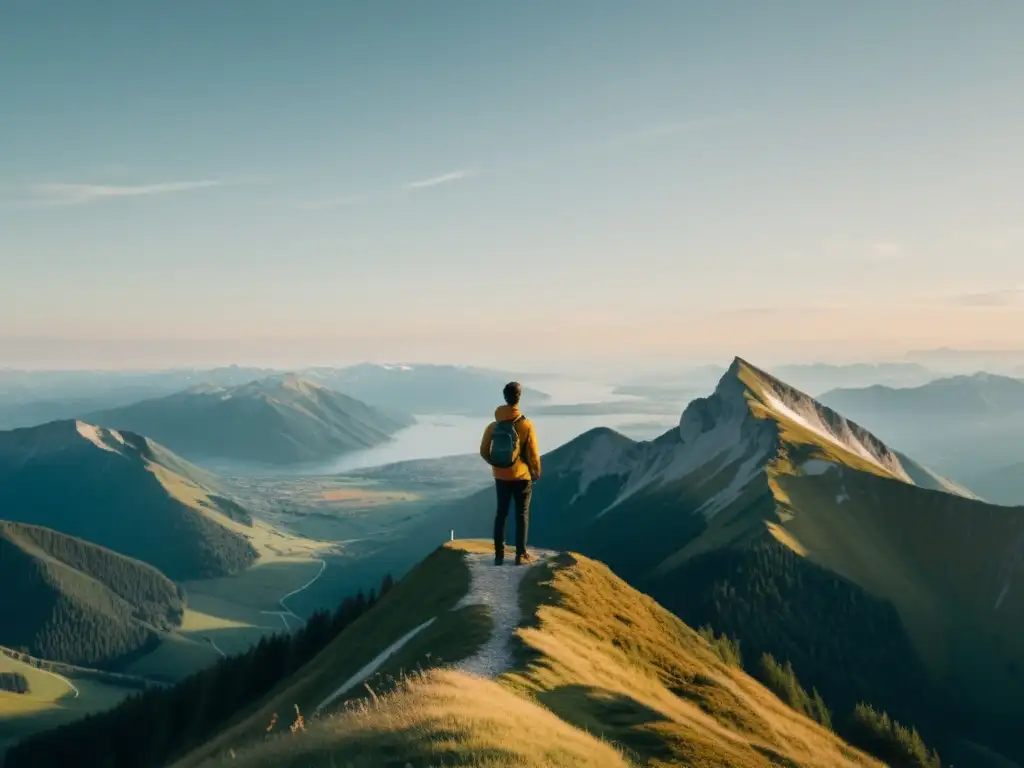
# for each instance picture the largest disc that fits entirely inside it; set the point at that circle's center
(453, 535)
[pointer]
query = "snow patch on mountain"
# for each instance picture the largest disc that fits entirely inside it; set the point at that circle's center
(95, 435)
(742, 476)
(809, 418)
(721, 439)
(605, 456)
(719, 429)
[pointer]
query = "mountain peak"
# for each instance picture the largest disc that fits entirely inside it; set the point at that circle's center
(281, 419)
(104, 439)
(752, 413)
(737, 364)
(736, 369)
(300, 384)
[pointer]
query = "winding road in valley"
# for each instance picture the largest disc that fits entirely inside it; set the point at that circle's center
(215, 647)
(286, 611)
(68, 683)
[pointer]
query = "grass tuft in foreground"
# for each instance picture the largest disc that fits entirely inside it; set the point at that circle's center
(439, 718)
(602, 676)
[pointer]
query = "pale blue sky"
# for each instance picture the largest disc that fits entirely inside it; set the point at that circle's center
(202, 180)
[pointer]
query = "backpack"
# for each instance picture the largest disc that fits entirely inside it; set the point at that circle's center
(505, 444)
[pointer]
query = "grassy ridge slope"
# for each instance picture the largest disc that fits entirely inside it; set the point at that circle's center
(431, 589)
(275, 421)
(50, 702)
(609, 659)
(779, 521)
(123, 492)
(944, 560)
(603, 677)
(78, 603)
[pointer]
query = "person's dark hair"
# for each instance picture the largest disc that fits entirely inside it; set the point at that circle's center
(512, 392)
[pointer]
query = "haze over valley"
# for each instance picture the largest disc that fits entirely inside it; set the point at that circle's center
(757, 473)
(511, 385)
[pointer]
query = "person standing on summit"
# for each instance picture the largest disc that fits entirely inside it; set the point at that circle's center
(509, 445)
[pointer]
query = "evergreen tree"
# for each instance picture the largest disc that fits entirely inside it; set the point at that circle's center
(155, 726)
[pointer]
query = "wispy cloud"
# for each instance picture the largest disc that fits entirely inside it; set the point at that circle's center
(652, 132)
(63, 194)
(436, 181)
(1005, 297)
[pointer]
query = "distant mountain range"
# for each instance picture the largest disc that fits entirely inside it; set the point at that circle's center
(964, 426)
(71, 601)
(28, 398)
(810, 377)
(124, 492)
(277, 420)
(821, 377)
(766, 514)
(1002, 486)
(424, 388)
(1005, 361)
(981, 396)
(779, 521)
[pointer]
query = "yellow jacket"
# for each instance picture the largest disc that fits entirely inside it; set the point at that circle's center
(528, 461)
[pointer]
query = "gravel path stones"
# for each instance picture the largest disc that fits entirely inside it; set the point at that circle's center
(497, 587)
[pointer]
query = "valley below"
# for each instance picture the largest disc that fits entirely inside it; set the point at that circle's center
(319, 539)
(318, 534)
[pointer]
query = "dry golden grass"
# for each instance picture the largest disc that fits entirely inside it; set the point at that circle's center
(609, 659)
(43, 688)
(429, 591)
(367, 497)
(49, 702)
(442, 718)
(796, 434)
(604, 677)
(269, 542)
(941, 559)
(764, 505)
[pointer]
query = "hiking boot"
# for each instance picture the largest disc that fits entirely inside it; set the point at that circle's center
(524, 558)
(499, 559)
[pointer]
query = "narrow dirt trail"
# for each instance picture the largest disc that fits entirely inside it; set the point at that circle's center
(497, 587)
(286, 611)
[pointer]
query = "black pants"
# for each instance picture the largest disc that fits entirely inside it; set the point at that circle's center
(508, 491)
